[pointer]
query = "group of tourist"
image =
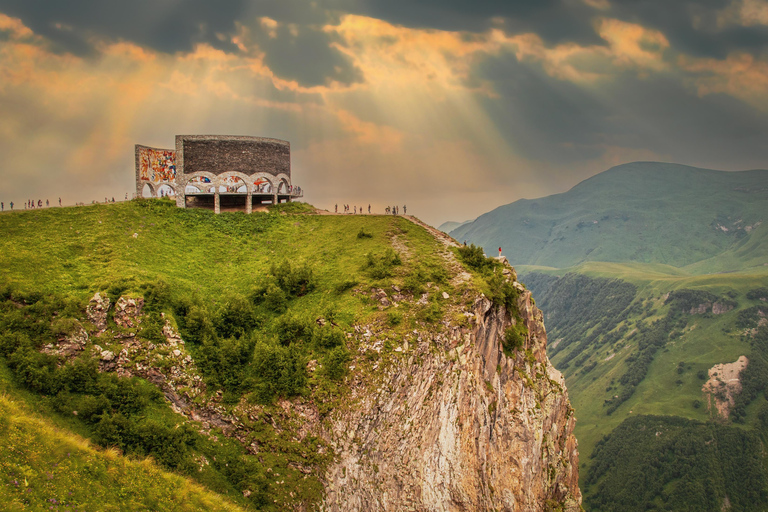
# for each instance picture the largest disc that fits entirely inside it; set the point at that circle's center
(350, 209)
(395, 210)
(31, 203)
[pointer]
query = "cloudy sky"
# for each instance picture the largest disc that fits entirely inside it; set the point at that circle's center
(449, 106)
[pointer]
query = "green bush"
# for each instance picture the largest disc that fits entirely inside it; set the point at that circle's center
(64, 326)
(296, 280)
(514, 337)
(275, 299)
(157, 296)
(277, 371)
(501, 291)
(380, 266)
(236, 318)
(197, 325)
(474, 257)
(328, 337)
(152, 328)
(335, 363)
(292, 328)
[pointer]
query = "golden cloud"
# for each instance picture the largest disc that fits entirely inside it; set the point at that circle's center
(740, 75)
(745, 13)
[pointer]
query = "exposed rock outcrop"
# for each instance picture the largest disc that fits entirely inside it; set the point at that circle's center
(97, 311)
(723, 386)
(127, 311)
(456, 424)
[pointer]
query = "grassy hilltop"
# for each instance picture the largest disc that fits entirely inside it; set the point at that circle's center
(264, 303)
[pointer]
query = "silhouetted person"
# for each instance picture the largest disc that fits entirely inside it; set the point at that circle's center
(405, 210)
(59, 201)
(39, 203)
(47, 204)
(369, 208)
(11, 205)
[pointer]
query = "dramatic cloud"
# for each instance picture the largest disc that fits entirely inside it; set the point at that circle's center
(449, 106)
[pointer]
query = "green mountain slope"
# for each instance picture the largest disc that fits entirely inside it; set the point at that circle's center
(217, 344)
(634, 340)
(645, 212)
(447, 227)
(47, 468)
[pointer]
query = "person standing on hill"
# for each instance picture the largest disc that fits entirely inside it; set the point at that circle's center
(405, 210)
(369, 208)
(11, 205)
(60, 200)
(47, 203)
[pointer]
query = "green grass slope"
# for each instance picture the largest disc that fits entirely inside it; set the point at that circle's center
(645, 212)
(43, 467)
(264, 303)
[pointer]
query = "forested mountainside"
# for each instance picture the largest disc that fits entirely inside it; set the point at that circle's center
(275, 361)
(668, 379)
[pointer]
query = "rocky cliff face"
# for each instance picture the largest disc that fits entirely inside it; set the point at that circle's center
(453, 423)
(441, 419)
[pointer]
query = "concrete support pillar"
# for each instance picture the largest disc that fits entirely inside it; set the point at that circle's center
(249, 203)
(274, 198)
(216, 203)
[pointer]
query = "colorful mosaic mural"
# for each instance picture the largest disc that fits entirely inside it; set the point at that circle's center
(157, 165)
(262, 185)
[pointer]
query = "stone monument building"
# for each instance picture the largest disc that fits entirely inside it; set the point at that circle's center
(218, 172)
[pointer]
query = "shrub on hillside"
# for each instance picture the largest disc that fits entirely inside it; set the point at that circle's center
(335, 363)
(379, 266)
(292, 328)
(474, 257)
(294, 280)
(328, 337)
(277, 371)
(275, 299)
(235, 318)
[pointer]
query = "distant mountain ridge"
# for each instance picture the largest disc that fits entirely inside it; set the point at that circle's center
(448, 226)
(624, 215)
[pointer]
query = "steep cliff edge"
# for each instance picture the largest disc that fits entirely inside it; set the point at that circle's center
(335, 363)
(455, 423)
